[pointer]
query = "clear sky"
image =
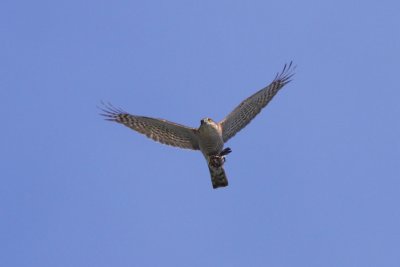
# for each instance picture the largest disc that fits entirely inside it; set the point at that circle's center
(314, 179)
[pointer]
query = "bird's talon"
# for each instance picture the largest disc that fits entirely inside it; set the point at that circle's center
(216, 161)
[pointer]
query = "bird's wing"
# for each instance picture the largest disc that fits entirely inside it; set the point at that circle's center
(249, 108)
(159, 130)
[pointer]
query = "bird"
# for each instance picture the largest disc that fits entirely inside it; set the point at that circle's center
(210, 137)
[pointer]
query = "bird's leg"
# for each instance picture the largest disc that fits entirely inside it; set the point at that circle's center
(218, 160)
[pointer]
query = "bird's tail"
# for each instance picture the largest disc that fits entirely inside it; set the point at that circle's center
(218, 176)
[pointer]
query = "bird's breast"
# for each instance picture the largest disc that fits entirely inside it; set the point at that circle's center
(210, 141)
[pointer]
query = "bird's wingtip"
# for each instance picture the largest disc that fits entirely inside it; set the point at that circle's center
(288, 71)
(109, 111)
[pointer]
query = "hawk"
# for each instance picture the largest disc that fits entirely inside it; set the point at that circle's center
(211, 136)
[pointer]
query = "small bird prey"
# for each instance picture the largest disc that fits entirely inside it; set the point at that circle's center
(211, 136)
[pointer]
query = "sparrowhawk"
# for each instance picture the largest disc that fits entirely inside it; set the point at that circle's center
(211, 136)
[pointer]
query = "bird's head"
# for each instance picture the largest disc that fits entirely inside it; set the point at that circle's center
(207, 121)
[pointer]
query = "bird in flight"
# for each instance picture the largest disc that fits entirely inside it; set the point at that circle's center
(211, 136)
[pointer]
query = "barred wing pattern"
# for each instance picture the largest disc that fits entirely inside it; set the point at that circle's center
(249, 108)
(159, 130)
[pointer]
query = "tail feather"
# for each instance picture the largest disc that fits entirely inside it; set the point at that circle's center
(218, 176)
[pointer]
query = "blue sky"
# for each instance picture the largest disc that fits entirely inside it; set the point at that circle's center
(314, 179)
